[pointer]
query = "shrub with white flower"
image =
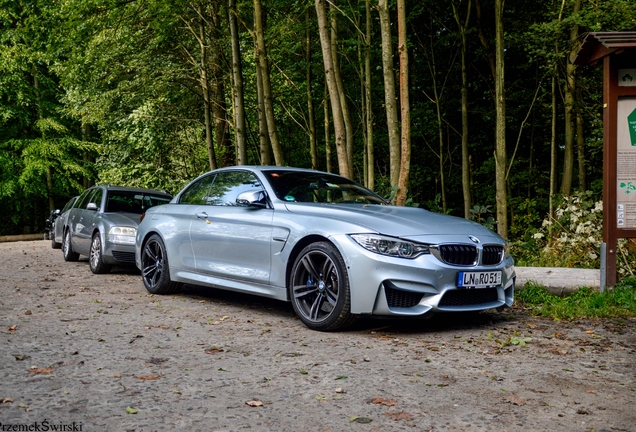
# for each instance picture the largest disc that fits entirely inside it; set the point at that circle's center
(573, 238)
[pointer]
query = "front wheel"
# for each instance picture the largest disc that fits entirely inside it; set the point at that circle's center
(155, 271)
(96, 258)
(67, 248)
(319, 288)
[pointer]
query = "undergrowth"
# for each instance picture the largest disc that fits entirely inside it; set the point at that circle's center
(585, 303)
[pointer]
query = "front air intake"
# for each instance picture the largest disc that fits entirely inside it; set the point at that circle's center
(472, 297)
(396, 298)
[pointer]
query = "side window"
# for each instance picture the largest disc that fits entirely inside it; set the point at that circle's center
(229, 184)
(84, 199)
(198, 192)
(69, 204)
(97, 198)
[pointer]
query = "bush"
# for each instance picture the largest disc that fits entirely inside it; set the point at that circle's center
(572, 238)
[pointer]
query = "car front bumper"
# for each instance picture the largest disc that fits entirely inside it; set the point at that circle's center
(382, 285)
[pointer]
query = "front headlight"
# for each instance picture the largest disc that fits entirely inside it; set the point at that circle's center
(390, 246)
(122, 235)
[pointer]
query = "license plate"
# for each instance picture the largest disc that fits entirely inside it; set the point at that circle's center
(479, 279)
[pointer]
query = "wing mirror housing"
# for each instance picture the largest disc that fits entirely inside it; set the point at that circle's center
(91, 206)
(253, 198)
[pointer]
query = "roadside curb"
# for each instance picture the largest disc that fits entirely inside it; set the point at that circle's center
(23, 237)
(559, 281)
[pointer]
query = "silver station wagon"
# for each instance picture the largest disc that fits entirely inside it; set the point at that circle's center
(102, 224)
(333, 248)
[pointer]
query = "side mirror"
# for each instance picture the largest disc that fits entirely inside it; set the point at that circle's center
(57, 212)
(253, 198)
(91, 206)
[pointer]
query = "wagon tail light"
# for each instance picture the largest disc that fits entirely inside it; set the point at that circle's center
(390, 246)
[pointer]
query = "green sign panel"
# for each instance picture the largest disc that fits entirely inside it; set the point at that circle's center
(631, 122)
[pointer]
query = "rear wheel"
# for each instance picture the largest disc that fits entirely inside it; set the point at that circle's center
(96, 258)
(67, 248)
(319, 288)
(54, 244)
(155, 271)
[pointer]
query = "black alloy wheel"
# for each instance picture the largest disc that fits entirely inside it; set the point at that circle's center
(155, 271)
(319, 288)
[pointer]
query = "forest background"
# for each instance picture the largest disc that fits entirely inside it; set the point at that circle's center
(468, 107)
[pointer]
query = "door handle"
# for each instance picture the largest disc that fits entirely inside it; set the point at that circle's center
(202, 215)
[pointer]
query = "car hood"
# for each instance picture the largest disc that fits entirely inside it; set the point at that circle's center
(405, 222)
(123, 219)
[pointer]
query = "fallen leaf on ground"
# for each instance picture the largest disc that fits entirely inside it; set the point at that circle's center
(148, 377)
(399, 415)
(131, 410)
(254, 403)
(517, 400)
(357, 419)
(35, 370)
(379, 401)
(6, 400)
(214, 350)
(590, 332)
(13, 327)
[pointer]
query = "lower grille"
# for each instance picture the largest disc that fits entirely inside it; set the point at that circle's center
(468, 297)
(458, 254)
(402, 299)
(125, 257)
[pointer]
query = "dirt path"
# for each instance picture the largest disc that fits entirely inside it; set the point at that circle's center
(100, 354)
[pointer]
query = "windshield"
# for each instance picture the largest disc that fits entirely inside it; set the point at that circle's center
(317, 187)
(133, 202)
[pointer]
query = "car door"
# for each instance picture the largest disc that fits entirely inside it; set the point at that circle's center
(229, 240)
(179, 218)
(75, 219)
(86, 223)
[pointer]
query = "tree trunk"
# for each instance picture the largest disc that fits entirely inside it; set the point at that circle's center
(553, 151)
(500, 128)
(580, 141)
(310, 100)
(219, 105)
(336, 108)
(268, 99)
(389, 92)
(370, 177)
(405, 109)
(327, 130)
(346, 114)
(463, 28)
(570, 114)
(237, 93)
(263, 134)
(432, 66)
(205, 89)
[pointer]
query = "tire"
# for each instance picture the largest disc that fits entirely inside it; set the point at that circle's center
(155, 271)
(54, 244)
(67, 248)
(96, 257)
(319, 288)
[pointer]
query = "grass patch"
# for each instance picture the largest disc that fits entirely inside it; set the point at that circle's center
(585, 303)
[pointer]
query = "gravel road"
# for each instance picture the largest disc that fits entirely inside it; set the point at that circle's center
(97, 353)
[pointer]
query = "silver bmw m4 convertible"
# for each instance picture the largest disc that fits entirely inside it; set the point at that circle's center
(333, 248)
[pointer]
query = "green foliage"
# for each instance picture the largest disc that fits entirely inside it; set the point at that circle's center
(481, 215)
(585, 303)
